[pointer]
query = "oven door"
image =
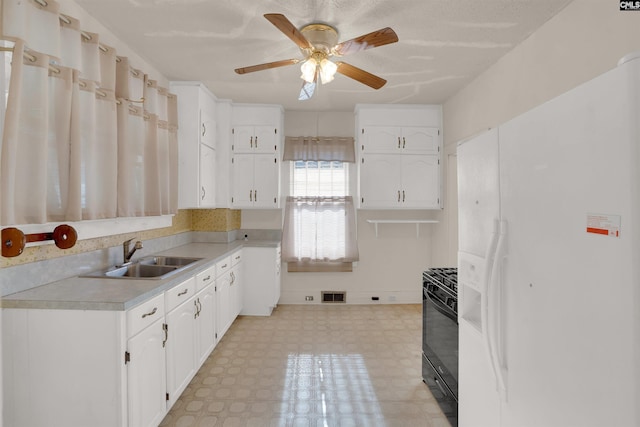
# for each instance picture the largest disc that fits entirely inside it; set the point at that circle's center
(440, 338)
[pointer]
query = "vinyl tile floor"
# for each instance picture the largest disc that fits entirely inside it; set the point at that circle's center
(314, 366)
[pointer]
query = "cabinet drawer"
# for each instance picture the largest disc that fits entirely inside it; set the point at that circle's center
(144, 315)
(223, 266)
(206, 278)
(180, 293)
(236, 257)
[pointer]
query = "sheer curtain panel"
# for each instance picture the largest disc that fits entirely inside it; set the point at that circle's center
(319, 229)
(85, 135)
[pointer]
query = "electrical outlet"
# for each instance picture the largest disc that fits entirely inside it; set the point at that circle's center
(308, 298)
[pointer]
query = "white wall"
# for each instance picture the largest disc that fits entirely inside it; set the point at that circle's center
(390, 265)
(584, 40)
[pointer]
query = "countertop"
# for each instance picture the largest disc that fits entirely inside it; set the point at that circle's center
(95, 293)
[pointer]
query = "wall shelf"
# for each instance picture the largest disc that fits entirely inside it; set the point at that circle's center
(417, 222)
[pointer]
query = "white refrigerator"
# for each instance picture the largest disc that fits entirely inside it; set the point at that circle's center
(549, 262)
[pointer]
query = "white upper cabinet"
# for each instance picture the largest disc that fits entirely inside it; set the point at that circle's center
(399, 156)
(255, 139)
(197, 143)
(400, 140)
(255, 163)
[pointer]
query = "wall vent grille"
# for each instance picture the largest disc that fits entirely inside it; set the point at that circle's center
(334, 296)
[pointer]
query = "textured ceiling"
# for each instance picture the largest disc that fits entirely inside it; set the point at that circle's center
(443, 44)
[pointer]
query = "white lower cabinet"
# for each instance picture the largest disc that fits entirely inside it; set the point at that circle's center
(223, 304)
(261, 280)
(205, 314)
(236, 285)
(205, 323)
(146, 379)
(181, 338)
(113, 368)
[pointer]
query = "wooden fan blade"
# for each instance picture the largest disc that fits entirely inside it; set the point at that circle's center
(266, 66)
(289, 30)
(367, 41)
(360, 75)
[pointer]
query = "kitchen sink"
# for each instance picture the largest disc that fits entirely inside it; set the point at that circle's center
(154, 267)
(168, 261)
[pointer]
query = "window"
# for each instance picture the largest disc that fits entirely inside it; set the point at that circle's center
(312, 178)
(319, 232)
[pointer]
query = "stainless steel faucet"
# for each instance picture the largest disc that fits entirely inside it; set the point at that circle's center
(127, 254)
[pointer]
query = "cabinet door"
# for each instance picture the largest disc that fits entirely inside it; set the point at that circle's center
(236, 290)
(381, 139)
(278, 266)
(420, 140)
(146, 376)
(420, 182)
(242, 195)
(261, 281)
(223, 304)
(205, 322)
(207, 196)
(181, 347)
(265, 139)
(380, 185)
(207, 131)
(266, 181)
(243, 139)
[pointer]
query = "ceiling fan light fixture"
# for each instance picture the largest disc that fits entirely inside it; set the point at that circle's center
(327, 70)
(308, 69)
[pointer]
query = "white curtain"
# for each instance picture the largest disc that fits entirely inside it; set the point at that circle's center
(319, 229)
(320, 148)
(83, 137)
(24, 146)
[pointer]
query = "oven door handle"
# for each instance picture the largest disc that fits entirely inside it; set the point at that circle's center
(442, 308)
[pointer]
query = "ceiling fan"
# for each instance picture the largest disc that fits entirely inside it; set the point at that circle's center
(318, 43)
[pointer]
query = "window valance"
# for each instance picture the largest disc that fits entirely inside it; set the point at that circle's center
(319, 148)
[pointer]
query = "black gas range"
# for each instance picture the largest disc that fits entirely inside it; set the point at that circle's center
(440, 337)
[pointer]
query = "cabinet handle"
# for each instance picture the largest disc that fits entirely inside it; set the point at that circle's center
(251, 195)
(233, 279)
(403, 142)
(224, 265)
(204, 129)
(256, 142)
(165, 328)
(398, 142)
(398, 195)
(251, 142)
(255, 195)
(198, 306)
(238, 257)
(207, 278)
(402, 196)
(183, 292)
(151, 313)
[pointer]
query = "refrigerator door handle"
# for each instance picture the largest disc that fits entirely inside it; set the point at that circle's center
(495, 315)
(484, 293)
